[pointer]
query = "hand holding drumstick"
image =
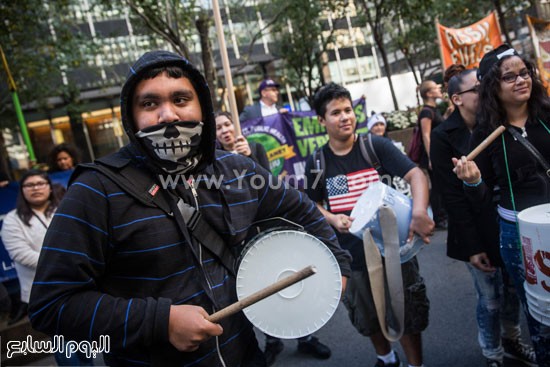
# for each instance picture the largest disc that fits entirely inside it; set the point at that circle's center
(465, 167)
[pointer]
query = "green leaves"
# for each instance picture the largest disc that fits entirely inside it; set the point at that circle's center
(41, 42)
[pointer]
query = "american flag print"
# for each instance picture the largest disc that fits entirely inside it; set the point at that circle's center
(344, 191)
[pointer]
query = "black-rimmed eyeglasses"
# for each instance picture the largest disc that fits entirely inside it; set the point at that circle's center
(474, 89)
(37, 185)
(511, 77)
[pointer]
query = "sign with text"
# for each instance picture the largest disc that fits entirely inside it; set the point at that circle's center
(290, 138)
(467, 45)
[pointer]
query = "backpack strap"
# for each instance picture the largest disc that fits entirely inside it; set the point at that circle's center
(139, 184)
(320, 165)
(368, 152)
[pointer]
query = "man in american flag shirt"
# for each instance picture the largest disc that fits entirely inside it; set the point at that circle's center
(346, 176)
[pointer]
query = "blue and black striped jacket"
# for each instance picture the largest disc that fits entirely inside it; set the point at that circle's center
(113, 266)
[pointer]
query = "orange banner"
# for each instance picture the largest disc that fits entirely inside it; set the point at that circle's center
(540, 35)
(467, 45)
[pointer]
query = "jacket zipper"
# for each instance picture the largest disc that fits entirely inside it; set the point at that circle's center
(195, 196)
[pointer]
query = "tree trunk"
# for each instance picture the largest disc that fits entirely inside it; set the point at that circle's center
(502, 22)
(382, 49)
(202, 23)
(73, 106)
(378, 38)
(75, 120)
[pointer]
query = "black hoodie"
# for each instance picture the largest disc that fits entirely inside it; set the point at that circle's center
(111, 265)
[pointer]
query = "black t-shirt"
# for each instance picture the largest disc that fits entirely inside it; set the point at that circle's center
(347, 177)
(433, 114)
(530, 185)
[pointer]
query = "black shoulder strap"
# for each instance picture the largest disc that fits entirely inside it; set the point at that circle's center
(531, 150)
(368, 152)
(138, 184)
(319, 164)
(133, 181)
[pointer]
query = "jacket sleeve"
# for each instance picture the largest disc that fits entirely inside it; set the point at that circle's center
(260, 156)
(67, 298)
(458, 207)
(481, 196)
(16, 243)
(277, 199)
(245, 115)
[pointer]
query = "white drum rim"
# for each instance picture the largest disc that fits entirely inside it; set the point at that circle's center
(280, 303)
(525, 216)
(355, 226)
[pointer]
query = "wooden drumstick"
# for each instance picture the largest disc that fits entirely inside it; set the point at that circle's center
(488, 140)
(484, 144)
(262, 293)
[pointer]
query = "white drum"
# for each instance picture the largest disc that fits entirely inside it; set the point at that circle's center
(365, 213)
(302, 308)
(534, 229)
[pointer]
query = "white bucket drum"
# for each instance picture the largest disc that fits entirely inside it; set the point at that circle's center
(534, 229)
(365, 213)
(302, 308)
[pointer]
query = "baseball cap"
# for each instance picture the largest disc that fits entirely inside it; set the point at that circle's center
(492, 57)
(267, 83)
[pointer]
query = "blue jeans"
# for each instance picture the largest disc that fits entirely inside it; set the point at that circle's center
(511, 255)
(497, 310)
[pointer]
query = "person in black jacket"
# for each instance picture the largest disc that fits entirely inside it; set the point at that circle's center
(123, 258)
(473, 233)
(511, 94)
(225, 134)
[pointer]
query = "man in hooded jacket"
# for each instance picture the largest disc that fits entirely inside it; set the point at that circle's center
(120, 258)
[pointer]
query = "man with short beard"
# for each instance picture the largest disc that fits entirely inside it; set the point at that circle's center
(145, 263)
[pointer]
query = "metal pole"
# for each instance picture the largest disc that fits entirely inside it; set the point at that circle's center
(226, 68)
(18, 111)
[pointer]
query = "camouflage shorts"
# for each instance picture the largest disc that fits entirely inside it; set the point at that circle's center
(361, 309)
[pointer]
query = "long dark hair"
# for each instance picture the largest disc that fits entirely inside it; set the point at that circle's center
(492, 114)
(63, 147)
(23, 208)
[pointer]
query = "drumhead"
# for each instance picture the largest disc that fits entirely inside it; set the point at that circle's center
(304, 307)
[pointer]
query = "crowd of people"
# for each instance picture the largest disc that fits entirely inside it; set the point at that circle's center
(122, 255)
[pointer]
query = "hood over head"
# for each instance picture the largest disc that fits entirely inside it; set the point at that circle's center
(156, 59)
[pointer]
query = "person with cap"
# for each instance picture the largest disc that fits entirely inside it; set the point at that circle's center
(377, 126)
(137, 255)
(344, 163)
(267, 105)
(473, 233)
(511, 95)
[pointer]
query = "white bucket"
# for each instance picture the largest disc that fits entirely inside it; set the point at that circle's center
(365, 213)
(534, 229)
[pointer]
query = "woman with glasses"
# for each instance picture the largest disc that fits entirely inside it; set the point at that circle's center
(511, 95)
(24, 227)
(23, 232)
(472, 234)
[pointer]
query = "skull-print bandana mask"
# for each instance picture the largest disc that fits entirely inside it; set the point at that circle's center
(174, 146)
